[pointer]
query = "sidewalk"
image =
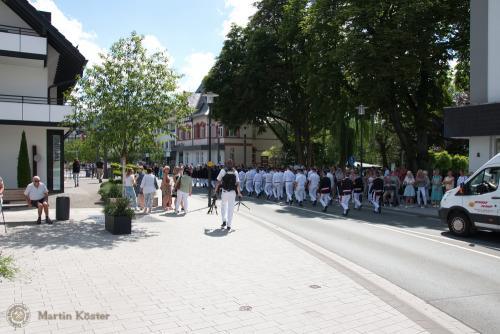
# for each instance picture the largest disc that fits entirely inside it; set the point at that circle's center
(181, 274)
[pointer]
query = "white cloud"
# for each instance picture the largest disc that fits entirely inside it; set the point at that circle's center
(197, 66)
(72, 29)
(240, 12)
(153, 44)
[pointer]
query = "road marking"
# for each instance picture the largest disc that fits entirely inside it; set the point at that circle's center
(409, 233)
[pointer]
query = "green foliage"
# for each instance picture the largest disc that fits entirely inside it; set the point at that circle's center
(82, 149)
(23, 164)
(119, 207)
(300, 67)
(460, 162)
(8, 269)
(110, 190)
(123, 100)
(441, 160)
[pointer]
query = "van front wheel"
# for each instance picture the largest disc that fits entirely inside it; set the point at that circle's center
(459, 224)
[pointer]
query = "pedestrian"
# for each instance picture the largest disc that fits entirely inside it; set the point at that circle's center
(437, 188)
(257, 182)
(138, 190)
(449, 181)
(99, 169)
(409, 184)
(462, 178)
(129, 188)
(421, 184)
(313, 183)
(300, 186)
(289, 179)
(229, 181)
(358, 191)
(166, 190)
(324, 189)
(148, 186)
(268, 188)
(76, 172)
(377, 192)
(249, 181)
(184, 186)
(346, 188)
(2, 188)
(37, 195)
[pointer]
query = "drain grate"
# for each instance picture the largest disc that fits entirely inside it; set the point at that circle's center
(315, 286)
(246, 308)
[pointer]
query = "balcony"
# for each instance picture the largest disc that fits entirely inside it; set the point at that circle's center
(32, 109)
(22, 40)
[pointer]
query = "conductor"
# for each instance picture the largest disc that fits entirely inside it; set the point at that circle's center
(229, 181)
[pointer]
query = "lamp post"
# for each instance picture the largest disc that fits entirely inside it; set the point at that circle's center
(245, 147)
(210, 99)
(361, 112)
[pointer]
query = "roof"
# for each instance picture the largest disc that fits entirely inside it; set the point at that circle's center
(71, 61)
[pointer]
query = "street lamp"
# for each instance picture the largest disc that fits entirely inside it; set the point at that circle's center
(210, 99)
(361, 112)
(245, 147)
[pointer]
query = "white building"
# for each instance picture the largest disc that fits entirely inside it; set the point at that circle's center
(37, 65)
(244, 145)
(479, 122)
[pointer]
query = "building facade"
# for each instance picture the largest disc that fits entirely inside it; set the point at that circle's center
(479, 122)
(37, 65)
(244, 145)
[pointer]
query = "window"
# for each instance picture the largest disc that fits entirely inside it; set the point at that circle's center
(221, 131)
(187, 158)
(231, 153)
(484, 182)
(498, 145)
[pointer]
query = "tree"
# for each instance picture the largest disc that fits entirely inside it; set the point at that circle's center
(23, 164)
(121, 102)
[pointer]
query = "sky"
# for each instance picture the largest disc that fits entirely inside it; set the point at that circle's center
(192, 32)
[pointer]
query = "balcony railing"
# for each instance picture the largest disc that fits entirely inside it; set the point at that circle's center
(24, 40)
(32, 109)
(18, 30)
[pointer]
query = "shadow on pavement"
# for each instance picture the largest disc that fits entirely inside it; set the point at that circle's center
(216, 232)
(486, 239)
(70, 235)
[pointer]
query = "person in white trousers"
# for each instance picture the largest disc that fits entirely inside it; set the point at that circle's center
(229, 181)
(300, 186)
(377, 192)
(289, 178)
(313, 185)
(346, 188)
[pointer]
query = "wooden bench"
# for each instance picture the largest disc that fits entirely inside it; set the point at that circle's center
(14, 198)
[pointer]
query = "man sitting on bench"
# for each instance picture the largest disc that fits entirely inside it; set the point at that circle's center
(37, 195)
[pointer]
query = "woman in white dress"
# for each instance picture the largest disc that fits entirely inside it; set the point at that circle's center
(409, 193)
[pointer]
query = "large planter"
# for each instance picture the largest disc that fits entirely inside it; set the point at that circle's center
(118, 224)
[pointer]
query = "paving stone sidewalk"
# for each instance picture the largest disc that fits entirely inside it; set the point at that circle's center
(181, 274)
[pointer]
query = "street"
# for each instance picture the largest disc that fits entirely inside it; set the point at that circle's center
(458, 276)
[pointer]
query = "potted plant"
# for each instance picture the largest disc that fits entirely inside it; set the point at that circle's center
(118, 216)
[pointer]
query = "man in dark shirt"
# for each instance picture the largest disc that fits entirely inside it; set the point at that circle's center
(99, 169)
(346, 188)
(378, 190)
(324, 189)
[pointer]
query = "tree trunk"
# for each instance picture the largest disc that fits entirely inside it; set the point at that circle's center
(298, 144)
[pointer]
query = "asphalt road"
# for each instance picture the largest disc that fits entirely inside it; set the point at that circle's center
(459, 276)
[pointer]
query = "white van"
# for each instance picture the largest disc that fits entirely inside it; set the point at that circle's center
(475, 204)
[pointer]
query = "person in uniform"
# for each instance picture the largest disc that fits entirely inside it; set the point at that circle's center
(377, 192)
(358, 190)
(300, 186)
(276, 184)
(313, 182)
(229, 181)
(257, 183)
(268, 188)
(249, 181)
(331, 177)
(289, 178)
(346, 188)
(324, 189)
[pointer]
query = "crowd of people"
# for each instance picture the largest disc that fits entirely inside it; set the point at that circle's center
(380, 187)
